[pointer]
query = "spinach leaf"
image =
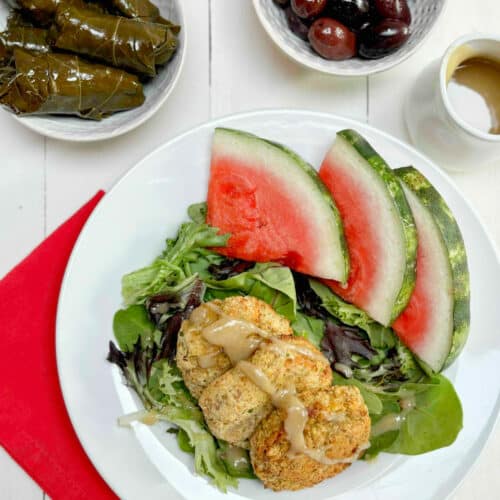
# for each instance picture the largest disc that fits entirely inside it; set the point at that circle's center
(269, 282)
(435, 421)
(132, 324)
(372, 401)
(429, 413)
(310, 328)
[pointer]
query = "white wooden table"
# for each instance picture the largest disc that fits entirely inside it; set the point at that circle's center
(231, 65)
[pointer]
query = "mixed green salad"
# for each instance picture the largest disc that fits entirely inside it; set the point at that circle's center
(412, 411)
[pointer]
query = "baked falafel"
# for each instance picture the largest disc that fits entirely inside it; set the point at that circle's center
(233, 405)
(338, 425)
(201, 362)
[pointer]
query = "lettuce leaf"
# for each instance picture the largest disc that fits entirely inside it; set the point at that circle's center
(269, 282)
(165, 397)
(381, 337)
(175, 264)
(310, 328)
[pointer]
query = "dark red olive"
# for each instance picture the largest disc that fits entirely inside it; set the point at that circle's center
(297, 25)
(352, 13)
(308, 9)
(394, 9)
(332, 40)
(282, 3)
(383, 38)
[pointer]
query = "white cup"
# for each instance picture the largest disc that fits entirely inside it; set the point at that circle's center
(434, 125)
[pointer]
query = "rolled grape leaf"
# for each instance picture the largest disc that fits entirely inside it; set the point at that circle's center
(43, 11)
(16, 19)
(40, 11)
(143, 10)
(124, 43)
(66, 84)
(23, 37)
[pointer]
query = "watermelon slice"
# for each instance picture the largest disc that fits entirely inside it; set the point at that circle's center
(378, 226)
(435, 323)
(274, 206)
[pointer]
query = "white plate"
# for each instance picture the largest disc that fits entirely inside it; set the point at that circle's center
(127, 230)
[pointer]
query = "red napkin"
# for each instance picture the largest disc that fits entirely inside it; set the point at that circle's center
(34, 426)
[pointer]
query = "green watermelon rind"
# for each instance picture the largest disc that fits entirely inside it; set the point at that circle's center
(365, 150)
(313, 175)
(457, 254)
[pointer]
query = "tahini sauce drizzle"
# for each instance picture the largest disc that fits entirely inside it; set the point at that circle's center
(239, 339)
(208, 360)
(296, 417)
(394, 421)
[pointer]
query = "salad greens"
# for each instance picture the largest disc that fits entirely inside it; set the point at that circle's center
(269, 282)
(132, 324)
(419, 412)
(411, 410)
(184, 256)
(165, 397)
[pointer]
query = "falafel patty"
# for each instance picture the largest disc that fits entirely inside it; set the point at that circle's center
(193, 350)
(338, 423)
(234, 406)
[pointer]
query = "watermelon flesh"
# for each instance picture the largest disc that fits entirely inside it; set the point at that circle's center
(435, 323)
(426, 325)
(378, 227)
(274, 206)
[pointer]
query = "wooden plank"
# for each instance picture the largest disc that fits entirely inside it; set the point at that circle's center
(76, 171)
(21, 191)
(250, 72)
(15, 483)
(479, 187)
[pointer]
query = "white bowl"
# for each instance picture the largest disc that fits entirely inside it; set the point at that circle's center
(425, 13)
(71, 128)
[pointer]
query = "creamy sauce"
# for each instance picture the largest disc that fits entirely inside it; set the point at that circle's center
(296, 417)
(240, 339)
(144, 416)
(474, 93)
(334, 417)
(208, 360)
(203, 315)
(394, 421)
(390, 422)
(282, 347)
(344, 369)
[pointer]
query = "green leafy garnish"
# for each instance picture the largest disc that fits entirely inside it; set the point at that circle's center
(310, 328)
(236, 460)
(174, 265)
(429, 414)
(132, 324)
(380, 336)
(198, 212)
(269, 282)
(165, 397)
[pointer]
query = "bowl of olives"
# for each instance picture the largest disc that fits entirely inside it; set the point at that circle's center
(348, 37)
